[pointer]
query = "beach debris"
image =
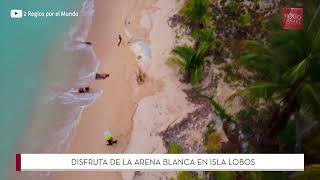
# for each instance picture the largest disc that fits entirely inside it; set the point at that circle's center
(175, 20)
(141, 77)
(120, 40)
(188, 133)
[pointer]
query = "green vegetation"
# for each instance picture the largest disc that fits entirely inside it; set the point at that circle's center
(213, 143)
(233, 7)
(223, 115)
(265, 175)
(190, 61)
(196, 12)
(174, 149)
(279, 75)
(212, 139)
(204, 35)
(225, 175)
(310, 172)
(210, 129)
(186, 175)
(288, 68)
(244, 20)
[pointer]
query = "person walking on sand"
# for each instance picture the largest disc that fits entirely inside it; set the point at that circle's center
(120, 40)
(109, 139)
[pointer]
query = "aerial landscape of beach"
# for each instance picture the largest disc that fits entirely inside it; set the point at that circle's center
(165, 77)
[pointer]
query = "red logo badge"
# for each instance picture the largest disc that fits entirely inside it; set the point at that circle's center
(292, 18)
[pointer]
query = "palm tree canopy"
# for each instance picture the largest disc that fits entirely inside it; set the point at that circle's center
(204, 35)
(196, 11)
(190, 61)
(264, 90)
(289, 64)
(185, 52)
(263, 60)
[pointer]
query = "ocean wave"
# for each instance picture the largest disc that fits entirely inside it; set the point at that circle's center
(86, 72)
(86, 65)
(58, 109)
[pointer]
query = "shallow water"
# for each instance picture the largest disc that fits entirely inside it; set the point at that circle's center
(41, 66)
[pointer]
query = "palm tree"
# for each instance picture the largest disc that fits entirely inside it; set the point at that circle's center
(190, 61)
(196, 12)
(288, 69)
(205, 35)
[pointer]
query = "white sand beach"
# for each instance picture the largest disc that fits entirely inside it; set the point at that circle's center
(135, 112)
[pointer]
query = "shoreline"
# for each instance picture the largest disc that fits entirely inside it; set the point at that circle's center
(115, 108)
(142, 96)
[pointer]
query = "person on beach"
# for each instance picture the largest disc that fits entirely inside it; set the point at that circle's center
(108, 137)
(88, 43)
(101, 76)
(120, 40)
(84, 90)
(98, 77)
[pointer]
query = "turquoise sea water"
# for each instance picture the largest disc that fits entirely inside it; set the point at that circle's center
(24, 48)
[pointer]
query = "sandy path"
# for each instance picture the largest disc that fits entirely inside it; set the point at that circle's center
(167, 106)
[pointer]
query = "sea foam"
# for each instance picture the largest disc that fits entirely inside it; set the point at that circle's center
(87, 68)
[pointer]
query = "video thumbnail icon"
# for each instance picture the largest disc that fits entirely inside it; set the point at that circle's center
(16, 13)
